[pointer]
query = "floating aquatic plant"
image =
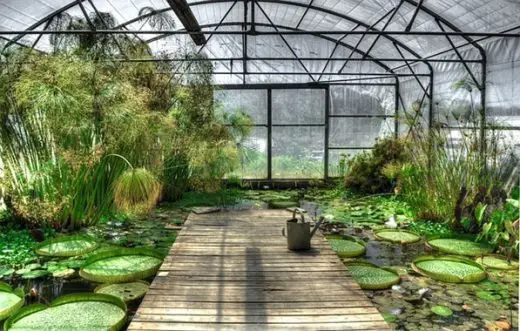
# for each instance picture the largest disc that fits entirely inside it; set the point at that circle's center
(497, 262)
(10, 300)
(442, 311)
(459, 246)
(346, 246)
(450, 269)
(85, 311)
(121, 265)
(282, 204)
(397, 236)
(372, 277)
(126, 291)
(66, 246)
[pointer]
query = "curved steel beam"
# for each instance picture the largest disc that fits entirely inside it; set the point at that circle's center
(333, 40)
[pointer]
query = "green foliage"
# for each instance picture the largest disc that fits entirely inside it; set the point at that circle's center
(136, 190)
(366, 171)
(499, 229)
(429, 228)
(17, 248)
(442, 311)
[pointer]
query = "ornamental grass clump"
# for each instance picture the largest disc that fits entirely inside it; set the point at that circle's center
(137, 191)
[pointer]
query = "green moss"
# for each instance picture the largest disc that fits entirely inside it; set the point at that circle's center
(449, 269)
(371, 277)
(460, 246)
(127, 291)
(397, 236)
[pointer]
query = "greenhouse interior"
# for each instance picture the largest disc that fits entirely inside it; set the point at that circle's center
(259, 165)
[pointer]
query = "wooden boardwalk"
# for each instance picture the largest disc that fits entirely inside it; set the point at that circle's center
(232, 271)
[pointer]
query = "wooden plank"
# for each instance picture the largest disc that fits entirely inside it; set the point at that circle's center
(233, 271)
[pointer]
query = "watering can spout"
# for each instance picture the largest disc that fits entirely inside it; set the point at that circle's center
(317, 226)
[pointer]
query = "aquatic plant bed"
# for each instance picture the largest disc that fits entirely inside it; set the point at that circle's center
(371, 277)
(127, 292)
(121, 265)
(266, 285)
(451, 269)
(397, 236)
(76, 311)
(456, 246)
(346, 246)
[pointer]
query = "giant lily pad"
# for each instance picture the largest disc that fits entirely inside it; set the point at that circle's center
(346, 246)
(86, 312)
(10, 300)
(450, 269)
(121, 265)
(66, 246)
(458, 246)
(126, 291)
(372, 277)
(397, 236)
(497, 262)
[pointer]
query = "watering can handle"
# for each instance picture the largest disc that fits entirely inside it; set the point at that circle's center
(283, 232)
(317, 225)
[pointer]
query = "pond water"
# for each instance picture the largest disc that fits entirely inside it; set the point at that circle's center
(406, 306)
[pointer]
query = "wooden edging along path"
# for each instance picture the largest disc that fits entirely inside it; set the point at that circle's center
(233, 271)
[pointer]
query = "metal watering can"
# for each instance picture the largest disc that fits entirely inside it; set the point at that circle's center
(299, 234)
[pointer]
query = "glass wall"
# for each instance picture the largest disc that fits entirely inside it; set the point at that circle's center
(303, 133)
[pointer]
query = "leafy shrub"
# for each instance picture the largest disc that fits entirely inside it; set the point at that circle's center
(366, 171)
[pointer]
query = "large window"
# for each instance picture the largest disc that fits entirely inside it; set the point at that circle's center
(299, 133)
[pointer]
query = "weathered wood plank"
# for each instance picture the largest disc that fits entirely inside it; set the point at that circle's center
(233, 271)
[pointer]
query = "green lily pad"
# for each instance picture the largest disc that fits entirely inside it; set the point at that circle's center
(450, 269)
(127, 292)
(121, 265)
(488, 296)
(497, 262)
(63, 273)
(66, 246)
(346, 246)
(371, 277)
(10, 300)
(397, 236)
(88, 312)
(442, 311)
(459, 246)
(7, 271)
(283, 204)
(33, 274)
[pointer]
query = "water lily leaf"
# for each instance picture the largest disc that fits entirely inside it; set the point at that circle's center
(450, 269)
(7, 271)
(497, 262)
(442, 311)
(397, 236)
(346, 246)
(10, 300)
(66, 246)
(35, 274)
(63, 273)
(121, 265)
(488, 296)
(127, 292)
(459, 246)
(86, 311)
(371, 277)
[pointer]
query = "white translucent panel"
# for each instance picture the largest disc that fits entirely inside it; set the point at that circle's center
(358, 132)
(362, 100)
(298, 152)
(338, 159)
(298, 106)
(251, 102)
(253, 156)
